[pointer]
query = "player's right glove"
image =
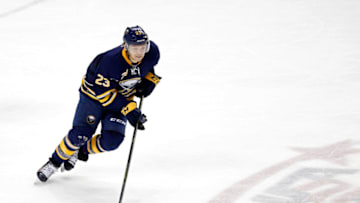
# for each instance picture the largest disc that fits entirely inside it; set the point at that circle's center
(147, 85)
(134, 115)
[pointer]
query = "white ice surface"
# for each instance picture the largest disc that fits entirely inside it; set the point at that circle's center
(243, 83)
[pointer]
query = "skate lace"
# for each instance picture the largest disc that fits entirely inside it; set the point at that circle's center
(73, 159)
(48, 169)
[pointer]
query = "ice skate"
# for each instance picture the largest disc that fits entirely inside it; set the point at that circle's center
(70, 163)
(46, 171)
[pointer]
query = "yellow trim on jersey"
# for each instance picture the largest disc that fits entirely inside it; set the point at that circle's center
(124, 54)
(88, 94)
(83, 82)
(105, 93)
(126, 94)
(136, 78)
(128, 108)
(105, 99)
(131, 98)
(110, 100)
(65, 149)
(153, 78)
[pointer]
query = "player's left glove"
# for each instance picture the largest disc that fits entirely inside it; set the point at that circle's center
(147, 86)
(134, 115)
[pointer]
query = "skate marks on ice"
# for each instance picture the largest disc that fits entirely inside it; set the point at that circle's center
(20, 8)
(302, 180)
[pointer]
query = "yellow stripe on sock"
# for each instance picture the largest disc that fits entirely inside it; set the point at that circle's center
(93, 145)
(65, 149)
(58, 153)
(69, 143)
(98, 143)
(88, 147)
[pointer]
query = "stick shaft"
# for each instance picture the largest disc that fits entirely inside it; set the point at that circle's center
(130, 155)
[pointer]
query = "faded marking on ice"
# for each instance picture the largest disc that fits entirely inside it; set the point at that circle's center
(335, 153)
(20, 8)
(321, 180)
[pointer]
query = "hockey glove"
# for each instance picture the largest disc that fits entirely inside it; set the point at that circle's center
(147, 86)
(134, 115)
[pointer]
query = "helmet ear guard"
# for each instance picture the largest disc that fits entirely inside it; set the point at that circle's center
(147, 46)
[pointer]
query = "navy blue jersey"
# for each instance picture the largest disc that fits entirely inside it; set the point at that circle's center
(111, 78)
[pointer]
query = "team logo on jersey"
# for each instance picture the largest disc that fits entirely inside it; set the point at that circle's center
(128, 85)
(91, 119)
(124, 74)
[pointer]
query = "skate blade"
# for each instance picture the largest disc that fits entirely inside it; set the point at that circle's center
(37, 182)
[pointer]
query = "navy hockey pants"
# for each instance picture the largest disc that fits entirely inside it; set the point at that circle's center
(88, 115)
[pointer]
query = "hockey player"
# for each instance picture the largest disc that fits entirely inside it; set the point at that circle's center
(107, 91)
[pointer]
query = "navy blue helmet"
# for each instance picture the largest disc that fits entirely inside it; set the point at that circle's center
(136, 36)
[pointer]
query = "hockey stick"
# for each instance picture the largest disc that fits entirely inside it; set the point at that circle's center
(130, 155)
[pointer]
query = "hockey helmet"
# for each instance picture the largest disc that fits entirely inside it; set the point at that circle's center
(136, 36)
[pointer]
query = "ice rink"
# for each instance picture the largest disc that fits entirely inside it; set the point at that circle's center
(259, 101)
